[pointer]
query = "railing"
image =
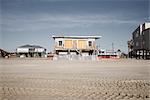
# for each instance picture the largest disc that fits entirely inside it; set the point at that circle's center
(75, 47)
(76, 57)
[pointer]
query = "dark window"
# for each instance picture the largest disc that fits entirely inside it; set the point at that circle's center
(60, 43)
(90, 43)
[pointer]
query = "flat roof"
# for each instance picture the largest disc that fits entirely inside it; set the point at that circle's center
(78, 37)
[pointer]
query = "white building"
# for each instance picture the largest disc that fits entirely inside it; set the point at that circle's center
(31, 51)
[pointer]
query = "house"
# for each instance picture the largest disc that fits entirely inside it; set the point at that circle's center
(108, 54)
(75, 45)
(31, 51)
(140, 42)
(4, 54)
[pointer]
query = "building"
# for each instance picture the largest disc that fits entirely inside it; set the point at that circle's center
(4, 54)
(75, 45)
(31, 51)
(140, 42)
(109, 54)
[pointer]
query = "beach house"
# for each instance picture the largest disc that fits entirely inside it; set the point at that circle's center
(75, 45)
(31, 51)
(140, 42)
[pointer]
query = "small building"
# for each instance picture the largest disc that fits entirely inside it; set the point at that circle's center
(4, 54)
(31, 51)
(75, 45)
(141, 42)
(108, 54)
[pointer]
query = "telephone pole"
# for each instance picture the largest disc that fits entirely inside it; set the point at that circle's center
(112, 48)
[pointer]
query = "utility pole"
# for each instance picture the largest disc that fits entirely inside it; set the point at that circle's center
(112, 48)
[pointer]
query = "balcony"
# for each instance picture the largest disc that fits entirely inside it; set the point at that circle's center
(82, 47)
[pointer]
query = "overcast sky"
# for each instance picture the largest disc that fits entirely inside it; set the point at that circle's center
(35, 21)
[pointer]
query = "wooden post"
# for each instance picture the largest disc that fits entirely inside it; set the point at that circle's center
(146, 55)
(143, 56)
(139, 54)
(136, 54)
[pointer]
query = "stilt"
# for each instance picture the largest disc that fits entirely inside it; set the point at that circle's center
(146, 55)
(143, 54)
(136, 54)
(139, 54)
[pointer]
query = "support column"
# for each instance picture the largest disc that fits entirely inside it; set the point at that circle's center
(139, 54)
(143, 55)
(146, 55)
(136, 54)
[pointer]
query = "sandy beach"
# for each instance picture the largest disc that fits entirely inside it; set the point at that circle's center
(39, 79)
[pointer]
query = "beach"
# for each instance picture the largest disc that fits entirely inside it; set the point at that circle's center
(43, 79)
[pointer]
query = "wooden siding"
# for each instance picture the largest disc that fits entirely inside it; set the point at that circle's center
(74, 44)
(82, 44)
(68, 44)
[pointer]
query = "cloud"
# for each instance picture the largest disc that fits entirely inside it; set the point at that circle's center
(37, 22)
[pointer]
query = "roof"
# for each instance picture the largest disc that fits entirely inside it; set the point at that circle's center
(30, 46)
(78, 37)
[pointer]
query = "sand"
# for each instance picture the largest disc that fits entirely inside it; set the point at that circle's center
(39, 79)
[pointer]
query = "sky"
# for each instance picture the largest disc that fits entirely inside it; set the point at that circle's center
(35, 21)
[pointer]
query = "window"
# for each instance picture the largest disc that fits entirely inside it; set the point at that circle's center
(90, 43)
(60, 43)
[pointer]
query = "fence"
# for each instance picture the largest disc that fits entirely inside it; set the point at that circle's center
(75, 57)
